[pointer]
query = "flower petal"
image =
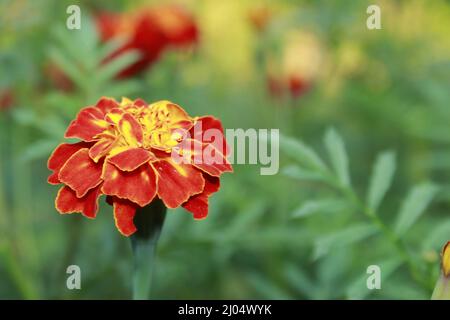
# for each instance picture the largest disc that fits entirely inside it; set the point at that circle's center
(89, 123)
(198, 204)
(68, 202)
(208, 127)
(205, 157)
(60, 155)
(131, 130)
(80, 173)
(177, 182)
(100, 149)
(106, 104)
(131, 159)
(124, 212)
(138, 186)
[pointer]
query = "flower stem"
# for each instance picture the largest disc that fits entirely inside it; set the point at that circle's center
(149, 221)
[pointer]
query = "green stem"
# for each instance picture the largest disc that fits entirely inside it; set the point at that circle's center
(149, 221)
(383, 228)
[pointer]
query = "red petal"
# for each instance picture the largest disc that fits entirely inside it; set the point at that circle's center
(89, 123)
(138, 186)
(205, 157)
(198, 204)
(100, 149)
(177, 182)
(140, 103)
(131, 130)
(124, 212)
(106, 104)
(67, 202)
(60, 155)
(131, 159)
(80, 173)
(199, 132)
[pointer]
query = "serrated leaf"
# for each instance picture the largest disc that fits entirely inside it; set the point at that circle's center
(67, 67)
(318, 206)
(338, 156)
(414, 205)
(381, 179)
(302, 153)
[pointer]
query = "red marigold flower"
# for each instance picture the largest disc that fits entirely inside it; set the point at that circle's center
(299, 66)
(133, 153)
(150, 31)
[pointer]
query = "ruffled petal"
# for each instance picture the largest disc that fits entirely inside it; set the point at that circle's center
(131, 159)
(177, 182)
(80, 173)
(198, 204)
(205, 157)
(88, 124)
(131, 130)
(138, 186)
(124, 212)
(60, 155)
(106, 104)
(209, 130)
(68, 202)
(101, 149)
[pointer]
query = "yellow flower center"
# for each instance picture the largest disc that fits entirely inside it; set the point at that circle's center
(162, 125)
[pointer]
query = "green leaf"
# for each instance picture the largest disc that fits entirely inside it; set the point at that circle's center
(358, 289)
(302, 153)
(342, 238)
(299, 173)
(382, 174)
(113, 67)
(440, 235)
(38, 150)
(318, 206)
(300, 281)
(414, 205)
(339, 159)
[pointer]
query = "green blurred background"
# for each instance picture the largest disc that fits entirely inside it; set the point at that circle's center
(364, 154)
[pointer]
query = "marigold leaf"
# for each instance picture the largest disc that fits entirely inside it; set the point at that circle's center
(381, 179)
(339, 159)
(414, 205)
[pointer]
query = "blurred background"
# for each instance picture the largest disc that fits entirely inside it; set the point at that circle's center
(364, 153)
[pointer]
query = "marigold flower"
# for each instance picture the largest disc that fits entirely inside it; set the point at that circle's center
(298, 68)
(150, 31)
(133, 153)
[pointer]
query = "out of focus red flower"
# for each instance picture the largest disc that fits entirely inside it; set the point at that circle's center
(299, 67)
(134, 153)
(150, 31)
(6, 99)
